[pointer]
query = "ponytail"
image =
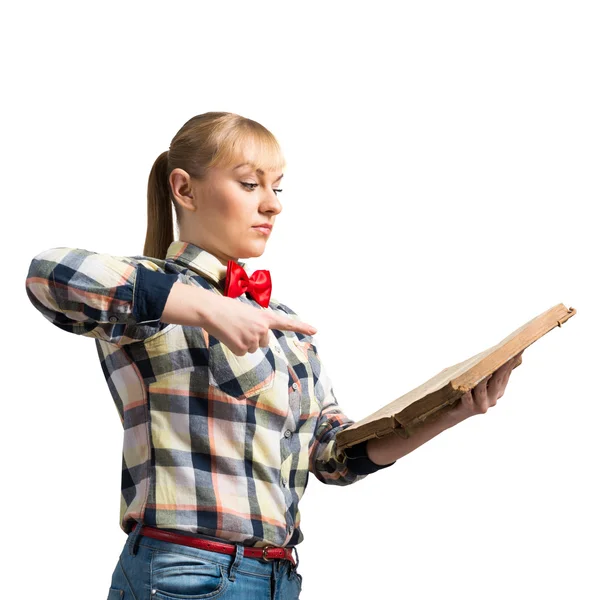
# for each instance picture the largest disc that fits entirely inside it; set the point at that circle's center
(159, 232)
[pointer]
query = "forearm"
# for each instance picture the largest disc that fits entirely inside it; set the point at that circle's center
(389, 448)
(187, 305)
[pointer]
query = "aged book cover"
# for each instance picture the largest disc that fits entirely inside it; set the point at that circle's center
(407, 413)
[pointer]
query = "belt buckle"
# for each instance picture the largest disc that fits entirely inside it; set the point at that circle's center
(264, 553)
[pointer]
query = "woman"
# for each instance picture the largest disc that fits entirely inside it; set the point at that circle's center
(224, 401)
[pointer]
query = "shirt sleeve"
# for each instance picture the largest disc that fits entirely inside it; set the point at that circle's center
(118, 299)
(326, 462)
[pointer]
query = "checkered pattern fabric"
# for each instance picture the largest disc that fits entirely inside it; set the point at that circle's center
(214, 444)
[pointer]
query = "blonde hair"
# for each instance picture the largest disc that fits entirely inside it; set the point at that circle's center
(206, 140)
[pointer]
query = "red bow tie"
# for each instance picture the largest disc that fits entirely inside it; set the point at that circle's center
(258, 285)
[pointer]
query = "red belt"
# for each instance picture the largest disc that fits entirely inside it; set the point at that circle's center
(266, 552)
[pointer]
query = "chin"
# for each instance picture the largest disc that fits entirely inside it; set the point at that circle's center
(252, 250)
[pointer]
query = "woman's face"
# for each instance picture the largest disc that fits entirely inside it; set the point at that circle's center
(221, 212)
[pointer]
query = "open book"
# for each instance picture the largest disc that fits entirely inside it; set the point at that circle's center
(429, 400)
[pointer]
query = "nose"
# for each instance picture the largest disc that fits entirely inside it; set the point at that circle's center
(271, 204)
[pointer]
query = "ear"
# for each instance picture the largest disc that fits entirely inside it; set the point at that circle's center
(183, 189)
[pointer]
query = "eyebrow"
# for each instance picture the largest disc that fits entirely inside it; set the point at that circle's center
(260, 171)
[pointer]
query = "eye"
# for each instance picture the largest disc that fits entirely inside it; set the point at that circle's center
(251, 186)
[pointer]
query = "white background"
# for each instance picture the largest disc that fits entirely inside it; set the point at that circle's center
(442, 189)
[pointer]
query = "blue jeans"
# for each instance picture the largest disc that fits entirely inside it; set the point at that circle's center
(150, 569)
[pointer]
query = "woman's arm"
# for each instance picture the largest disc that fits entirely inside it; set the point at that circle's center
(391, 447)
(475, 402)
(118, 299)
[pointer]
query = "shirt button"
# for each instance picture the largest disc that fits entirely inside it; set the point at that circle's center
(287, 433)
(291, 528)
(277, 349)
(295, 385)
(113, 319)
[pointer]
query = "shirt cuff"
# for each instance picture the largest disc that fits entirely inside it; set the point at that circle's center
(152, 288)
(359, 462)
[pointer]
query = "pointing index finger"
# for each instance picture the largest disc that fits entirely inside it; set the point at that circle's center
(289, 324)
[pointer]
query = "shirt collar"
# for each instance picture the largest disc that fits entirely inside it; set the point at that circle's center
(198, 260)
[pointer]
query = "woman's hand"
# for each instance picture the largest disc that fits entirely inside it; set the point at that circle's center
(241, 327)
(485, 393)
(391, 447)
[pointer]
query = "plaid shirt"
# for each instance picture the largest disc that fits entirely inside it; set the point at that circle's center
(214, 444)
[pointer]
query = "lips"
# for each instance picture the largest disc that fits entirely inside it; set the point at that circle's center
(262, 228)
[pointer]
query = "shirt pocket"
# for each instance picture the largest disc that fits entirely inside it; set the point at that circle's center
(310, 359)
(242, 377)
(305, 347)
(174, 354)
